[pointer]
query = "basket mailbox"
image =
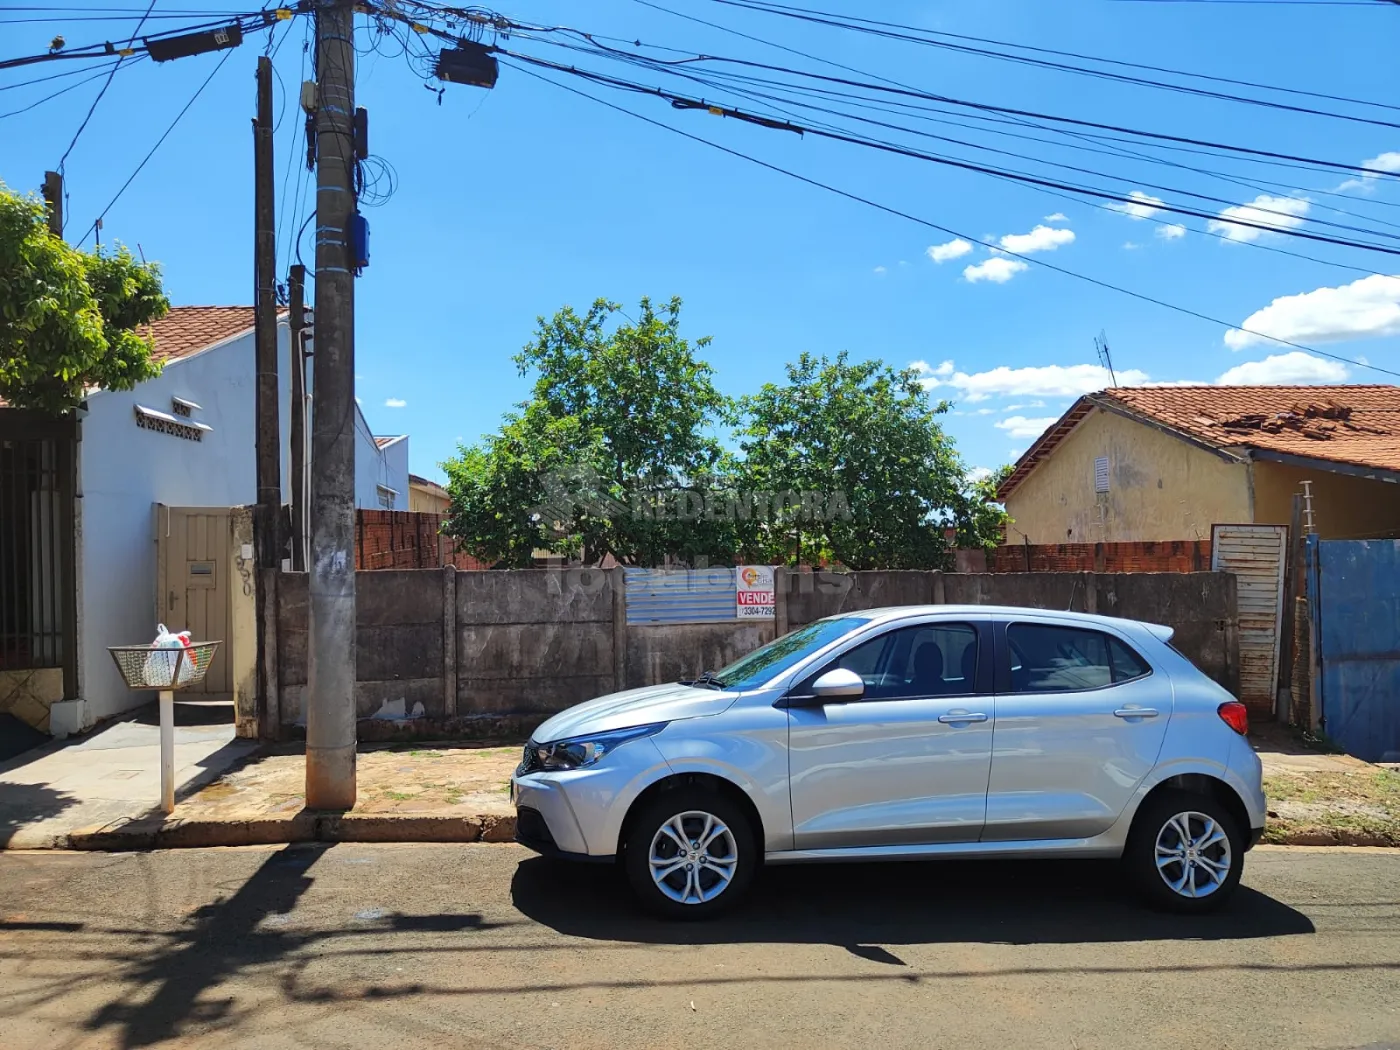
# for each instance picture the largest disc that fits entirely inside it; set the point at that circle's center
(165, 669)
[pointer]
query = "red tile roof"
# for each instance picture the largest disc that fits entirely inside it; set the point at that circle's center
(188, 329)
(1354, 425)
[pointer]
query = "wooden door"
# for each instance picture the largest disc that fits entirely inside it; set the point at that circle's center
(1256, 554)
(193, 545)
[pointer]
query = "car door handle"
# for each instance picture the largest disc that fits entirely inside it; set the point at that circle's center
(1135, 712)
(959, 717)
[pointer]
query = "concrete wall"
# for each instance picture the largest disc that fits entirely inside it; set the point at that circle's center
(125, 469)
(492, 653)
(1160, 488)
(1344, 507)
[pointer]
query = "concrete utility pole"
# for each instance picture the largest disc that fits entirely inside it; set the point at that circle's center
(267, 440)
(53, 197)
(296, 322)
(330, 688)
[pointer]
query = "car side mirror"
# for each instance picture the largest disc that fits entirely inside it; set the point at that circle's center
(837, 685)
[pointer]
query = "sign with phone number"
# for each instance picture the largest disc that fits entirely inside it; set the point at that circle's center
(753, 592)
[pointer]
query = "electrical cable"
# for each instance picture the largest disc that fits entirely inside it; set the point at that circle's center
(166, 134)
(102, 91)
(948, 231)
(894, 30)
(682, 102)
(63, 91)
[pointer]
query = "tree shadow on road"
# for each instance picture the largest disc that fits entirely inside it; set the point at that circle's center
(24, 804)
(855, 905)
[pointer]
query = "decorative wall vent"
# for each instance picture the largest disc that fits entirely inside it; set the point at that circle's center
(182, 407)
(1101, 474)
(165, 423)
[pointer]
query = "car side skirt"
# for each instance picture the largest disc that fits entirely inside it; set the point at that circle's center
(1106, 845)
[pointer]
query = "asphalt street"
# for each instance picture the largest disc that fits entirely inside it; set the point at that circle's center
(486, 946)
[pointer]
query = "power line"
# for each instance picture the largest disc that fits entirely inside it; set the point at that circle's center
(897, 31)
(948, 231)
(166, 134)
(64, 90)
(108, 83)
(682, 102)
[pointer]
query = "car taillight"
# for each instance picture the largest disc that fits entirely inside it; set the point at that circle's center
(1235, 715)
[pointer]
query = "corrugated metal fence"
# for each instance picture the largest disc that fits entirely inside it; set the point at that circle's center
(680, 595)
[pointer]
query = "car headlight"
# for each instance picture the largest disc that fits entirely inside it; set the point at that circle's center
(579, 751)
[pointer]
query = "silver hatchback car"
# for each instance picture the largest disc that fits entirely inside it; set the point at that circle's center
(907, 733)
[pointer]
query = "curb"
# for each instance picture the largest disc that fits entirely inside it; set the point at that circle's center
(156, 833)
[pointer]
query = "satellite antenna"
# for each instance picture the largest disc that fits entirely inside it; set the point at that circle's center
(1105, 358)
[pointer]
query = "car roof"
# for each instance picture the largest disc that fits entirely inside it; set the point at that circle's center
(898, 612)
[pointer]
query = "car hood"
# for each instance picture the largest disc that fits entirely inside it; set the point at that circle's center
(634, 707)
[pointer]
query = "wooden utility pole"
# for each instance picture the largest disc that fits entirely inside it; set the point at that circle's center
(330, 686)
(267, 441)
(53, 197)
(296, 322)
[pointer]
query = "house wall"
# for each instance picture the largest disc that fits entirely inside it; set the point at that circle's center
(1344, 507)
(1160, 488)
(427, 501)
(124, 470)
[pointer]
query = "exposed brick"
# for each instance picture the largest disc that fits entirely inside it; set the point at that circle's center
(1146, 556)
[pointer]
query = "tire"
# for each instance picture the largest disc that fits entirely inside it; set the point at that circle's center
(705, 888)
(1159, 830)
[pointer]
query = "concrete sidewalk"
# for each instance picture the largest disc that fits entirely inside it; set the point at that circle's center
(111, 777)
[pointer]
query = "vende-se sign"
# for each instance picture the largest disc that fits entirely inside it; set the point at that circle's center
(753, 592)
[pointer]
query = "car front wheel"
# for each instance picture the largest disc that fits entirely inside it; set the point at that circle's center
(1185, 852)
(690, 854)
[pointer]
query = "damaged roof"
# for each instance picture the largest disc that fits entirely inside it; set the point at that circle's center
(1358, 426)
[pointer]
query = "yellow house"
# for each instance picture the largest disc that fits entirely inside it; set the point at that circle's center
(426, 496)
(1135, 464)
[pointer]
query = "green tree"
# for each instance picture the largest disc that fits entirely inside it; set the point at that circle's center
(610, 455)
(68, 318)
(980, 516)
(860, 471)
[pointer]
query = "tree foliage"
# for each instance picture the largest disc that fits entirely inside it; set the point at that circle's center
(861, 444)
(618, 430)
(980, 518)
(616, 453)
(68, 318)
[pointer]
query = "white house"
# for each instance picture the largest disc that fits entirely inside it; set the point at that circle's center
(182, 440)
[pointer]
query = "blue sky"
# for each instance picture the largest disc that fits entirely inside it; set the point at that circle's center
(515, 202)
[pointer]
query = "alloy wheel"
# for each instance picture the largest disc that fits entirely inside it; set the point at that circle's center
(1193, 854)
(693, 857)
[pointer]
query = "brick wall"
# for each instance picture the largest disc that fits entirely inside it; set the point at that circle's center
(398, 539)
(1161, 556)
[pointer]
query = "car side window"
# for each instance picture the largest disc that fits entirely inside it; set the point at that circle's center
(938, 659)
(1050, 659)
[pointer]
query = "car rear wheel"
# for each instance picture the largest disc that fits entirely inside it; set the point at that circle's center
(690, 854)
(1185, 852)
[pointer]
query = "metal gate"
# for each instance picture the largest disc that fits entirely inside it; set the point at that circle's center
(1256, 555)
(1355, 586)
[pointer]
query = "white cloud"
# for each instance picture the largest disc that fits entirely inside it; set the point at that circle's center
(999, 269)
(881, 271)
(394, 402)
(1385, 162)
(1140, 206)
(1021, 427)
(1131, 246)
(1295, 368)
(985, 412)
(1025, 405)
(954, 249)
(1059, 216)
(1280, 213)
(1036, 381)
(1364, 309)
(1040, 239)
(1171, 231)
(979, 474)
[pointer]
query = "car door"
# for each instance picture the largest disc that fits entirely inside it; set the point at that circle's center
(908, 762)
(1080, 720)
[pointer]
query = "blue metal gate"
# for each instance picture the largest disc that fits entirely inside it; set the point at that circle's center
(1357, 634)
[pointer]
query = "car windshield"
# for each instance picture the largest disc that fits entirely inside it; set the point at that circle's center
(773, 659)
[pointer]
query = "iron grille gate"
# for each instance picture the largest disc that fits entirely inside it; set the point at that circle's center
(36, 550)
